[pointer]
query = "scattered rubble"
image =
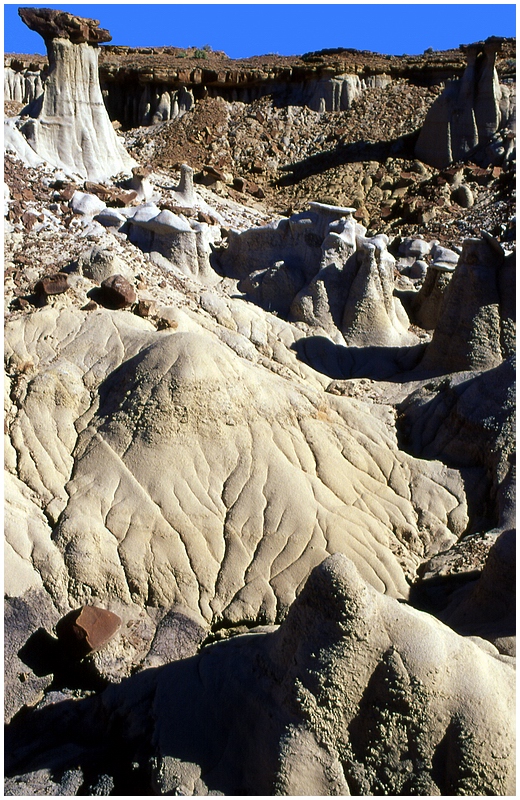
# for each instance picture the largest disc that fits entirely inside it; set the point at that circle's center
(259, 427)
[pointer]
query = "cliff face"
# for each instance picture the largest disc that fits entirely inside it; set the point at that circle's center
(149, 85)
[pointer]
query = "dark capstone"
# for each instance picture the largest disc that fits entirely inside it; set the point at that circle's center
(51, 23)
(118, 292)
(86, 629)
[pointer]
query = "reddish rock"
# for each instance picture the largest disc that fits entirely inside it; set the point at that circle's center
(29, 219)
(110, 195)
(87, 629)
(52, 284)
(118, 291)
(175, 209)
(243, 185)
(145, 308)
(51, 23)
(217, 173)
(68, 192)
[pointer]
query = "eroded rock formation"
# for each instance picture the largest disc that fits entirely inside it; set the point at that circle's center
(204, 439)
(468, 112)
(68, 124)
(355, 694)
(344, 282)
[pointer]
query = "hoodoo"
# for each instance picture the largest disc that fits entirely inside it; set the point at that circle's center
(259, 419)
(468, 112)
(68, 125)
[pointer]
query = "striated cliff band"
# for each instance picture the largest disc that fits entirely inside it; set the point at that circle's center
(259, 420)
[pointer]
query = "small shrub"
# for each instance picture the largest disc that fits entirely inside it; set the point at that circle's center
(200, 53)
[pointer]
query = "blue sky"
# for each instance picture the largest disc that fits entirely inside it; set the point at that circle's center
(243, 30)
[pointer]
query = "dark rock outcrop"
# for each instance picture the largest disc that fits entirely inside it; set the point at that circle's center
(51, 23)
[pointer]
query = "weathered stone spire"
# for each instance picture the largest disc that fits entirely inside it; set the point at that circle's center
(467, 113)
(69, 125)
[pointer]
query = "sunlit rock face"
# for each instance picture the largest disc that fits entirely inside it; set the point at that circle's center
(69, 126)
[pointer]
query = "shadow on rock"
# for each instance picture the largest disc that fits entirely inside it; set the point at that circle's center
(340, 362)
(45, 655)
(403, 147)
(252, 715)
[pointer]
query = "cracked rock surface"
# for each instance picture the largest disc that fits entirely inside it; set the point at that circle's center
(273, 482)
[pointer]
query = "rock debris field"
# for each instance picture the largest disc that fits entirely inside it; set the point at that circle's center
(259, 426)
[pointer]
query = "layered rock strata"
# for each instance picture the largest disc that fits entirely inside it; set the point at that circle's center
(68, 124)
(149, 85)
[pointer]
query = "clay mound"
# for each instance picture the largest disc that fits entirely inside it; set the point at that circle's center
(198, 444)
(174, 484)
(355, 694)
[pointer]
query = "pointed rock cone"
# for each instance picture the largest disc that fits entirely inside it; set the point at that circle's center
(69, 125)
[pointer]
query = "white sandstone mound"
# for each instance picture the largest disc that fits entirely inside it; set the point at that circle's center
(69, 126)
(200, 478)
